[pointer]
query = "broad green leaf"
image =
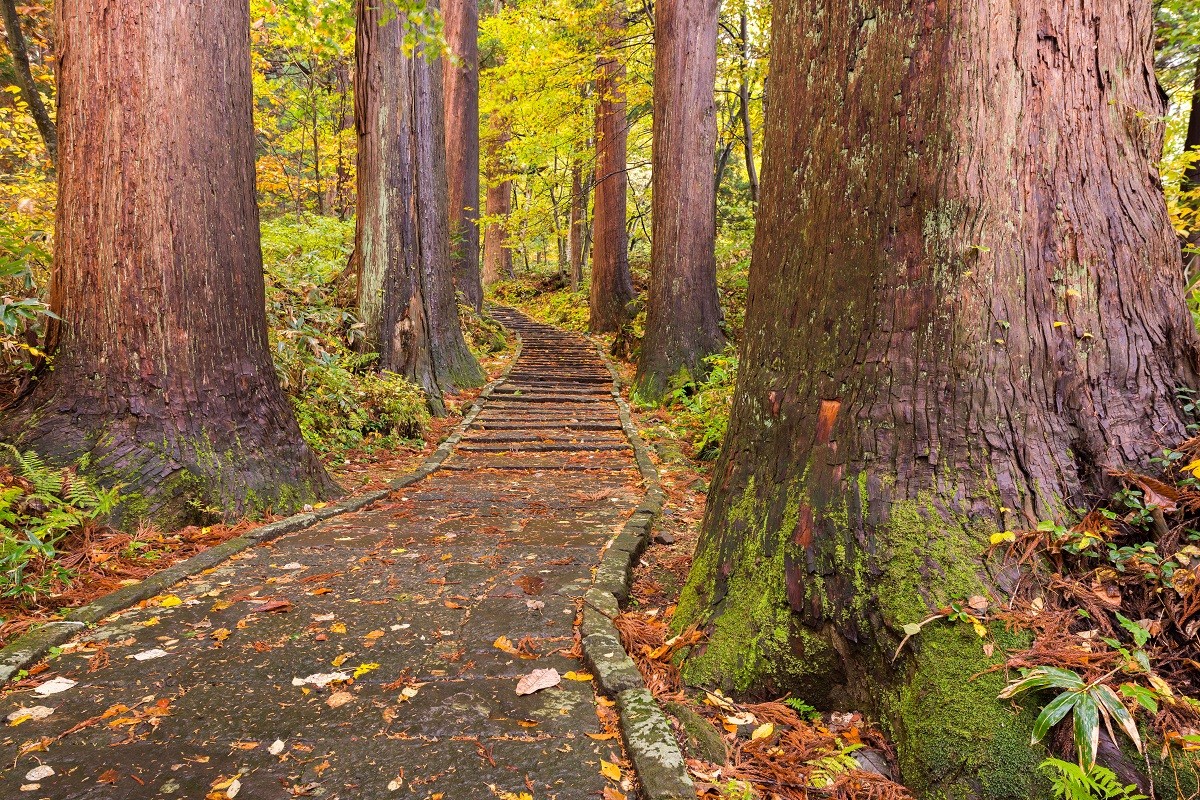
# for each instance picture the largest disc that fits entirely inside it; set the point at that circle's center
(1087, 729)
(1053, 713)
(1112, 706)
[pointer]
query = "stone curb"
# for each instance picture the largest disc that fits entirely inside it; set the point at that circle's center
(32, 646)
(649, 738)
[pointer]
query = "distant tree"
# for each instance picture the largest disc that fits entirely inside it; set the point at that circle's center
(461, 81)
(612, 287)
(965, 308)
(683, 312)
(161, 371)
(497, 257)
(405, 288)
(25, 81)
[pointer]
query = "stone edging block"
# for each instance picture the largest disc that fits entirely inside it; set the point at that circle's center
(649, 738)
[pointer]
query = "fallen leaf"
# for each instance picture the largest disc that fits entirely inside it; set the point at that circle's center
(54, 687)
(612, 794)
(147, 655)
(39, 773)
(321, 679)
(221, 634)
(601, 737)
(169, 601)
(577, 676)
(337, 627)
(271, 605)
(363, 669)
(35, 713)
(610, 770)
(537, 680)
(530, 584)
(763, 731)
(339, 699)
(276, 747)
(504, 643)
(108, 776)
(341, 659)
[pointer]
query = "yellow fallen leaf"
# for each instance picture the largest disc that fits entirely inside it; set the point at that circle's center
(221, 634)
(980, 630)
(577, 676)
(148, 623)
(505, 644)
(363, 669)
(601, 737)
(169, 601)
(762, 731)
(610, 770)
(1006, 536)
(337, 662)
(337, 627)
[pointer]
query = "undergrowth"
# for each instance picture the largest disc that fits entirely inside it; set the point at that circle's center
(40, 506)
(341, 402)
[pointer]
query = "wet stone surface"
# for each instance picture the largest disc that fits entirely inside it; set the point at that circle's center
(410, 594)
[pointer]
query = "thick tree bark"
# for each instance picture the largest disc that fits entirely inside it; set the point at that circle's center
(25, 81)
(497, 257)
(461, 18)
(683, 312)
(405, 289)
(965, 305)
(612, 287)
(162, 372)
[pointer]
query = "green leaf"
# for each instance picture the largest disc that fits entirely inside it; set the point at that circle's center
(1112, 706)
(1087, 729)
(912, 629)
(1140, 635)
(1144, 697)
(1058, 708)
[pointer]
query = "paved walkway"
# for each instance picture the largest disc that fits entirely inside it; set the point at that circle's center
(411, 595)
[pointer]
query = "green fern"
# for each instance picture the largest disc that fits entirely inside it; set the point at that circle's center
(1072, 782)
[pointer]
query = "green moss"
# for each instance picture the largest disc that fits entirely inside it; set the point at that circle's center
(929, 557)
(954, 738)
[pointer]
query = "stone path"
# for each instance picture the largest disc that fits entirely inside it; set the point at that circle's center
(410, 595)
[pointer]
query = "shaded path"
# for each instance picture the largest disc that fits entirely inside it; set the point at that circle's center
(412, 593)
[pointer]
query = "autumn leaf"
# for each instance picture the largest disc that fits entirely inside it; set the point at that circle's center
(763, 731)
(578, 676)
(610, 770)
(363, 669)
(337, 627)
(538, 680)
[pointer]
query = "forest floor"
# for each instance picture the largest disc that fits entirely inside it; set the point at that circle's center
(380, 653)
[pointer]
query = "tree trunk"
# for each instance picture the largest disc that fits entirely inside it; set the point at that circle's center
(162, 373)
(461, 18)
(683, 312)
(578, 222)
(454, 365)
(497, 257)
(612, 287)
(744, 110)
(965, 305)
(25, 82)
(1191, 178)
(405, 290)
